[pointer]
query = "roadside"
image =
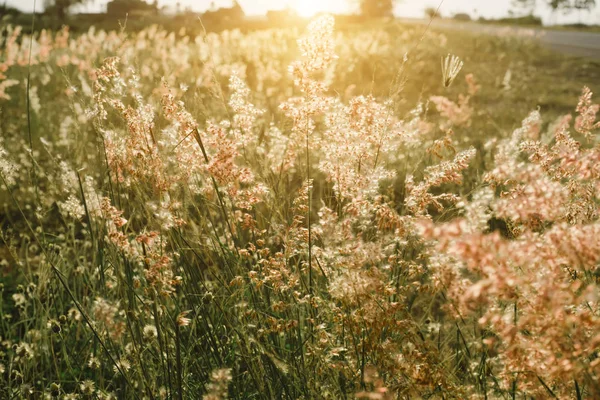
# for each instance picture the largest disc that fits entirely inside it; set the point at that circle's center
(574, 43)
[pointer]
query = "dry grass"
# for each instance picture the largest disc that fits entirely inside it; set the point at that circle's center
(277, 215)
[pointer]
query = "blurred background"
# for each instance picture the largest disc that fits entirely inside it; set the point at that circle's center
(249, 14)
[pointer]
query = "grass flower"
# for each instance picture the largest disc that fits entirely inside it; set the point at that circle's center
(451, 67)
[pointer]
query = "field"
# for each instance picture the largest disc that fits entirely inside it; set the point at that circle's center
(297, 214)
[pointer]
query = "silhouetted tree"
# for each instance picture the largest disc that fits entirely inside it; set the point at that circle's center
(432, 12)
(377, 8)
(225, 14)
(528, 5)
(584, 5)
(60, 8)
(462, 17)
(8, 10)
(556, 5)
(122, 7)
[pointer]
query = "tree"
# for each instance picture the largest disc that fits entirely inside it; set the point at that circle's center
(556, 5)
(123, 7)
(60, 8)
(583, 5)
(377, 8)
(9, 11)
(528, 5)
(432, 12)
(234, 13)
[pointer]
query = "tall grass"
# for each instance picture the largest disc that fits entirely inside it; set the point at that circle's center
(265, 215)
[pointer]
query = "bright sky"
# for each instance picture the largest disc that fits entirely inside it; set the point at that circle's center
(405, 8)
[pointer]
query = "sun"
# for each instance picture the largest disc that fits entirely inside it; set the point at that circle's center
(308, 8)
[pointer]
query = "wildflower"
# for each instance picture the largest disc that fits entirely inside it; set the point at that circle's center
(74, 314)
(87, 387)
(55, 390)
(150, 332)
(106, 395)
(122, 365)
(93, 363)
(24, 351)
(19, 299)
(451, 66)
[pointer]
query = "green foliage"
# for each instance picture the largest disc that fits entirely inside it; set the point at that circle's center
(120, 8)
(527, 20)
(60, 8)
(8, 11)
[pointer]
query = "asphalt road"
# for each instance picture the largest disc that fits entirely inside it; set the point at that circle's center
(582, 44)
(585, 44)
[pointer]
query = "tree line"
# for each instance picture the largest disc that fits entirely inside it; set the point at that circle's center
(367, 8)
(60, 8)
(557, 5)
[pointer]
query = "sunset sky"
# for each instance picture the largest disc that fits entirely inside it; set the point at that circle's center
(406, 8)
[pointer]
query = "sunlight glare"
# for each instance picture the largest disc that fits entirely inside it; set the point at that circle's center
(308, 8)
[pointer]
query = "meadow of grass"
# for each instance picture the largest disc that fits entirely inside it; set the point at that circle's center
(297, 214)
